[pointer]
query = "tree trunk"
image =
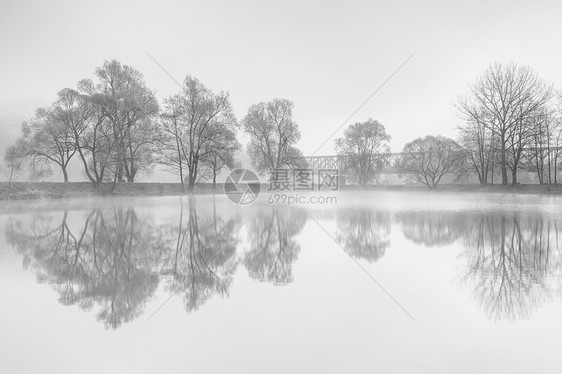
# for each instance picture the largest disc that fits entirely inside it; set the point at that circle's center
(10, 182)
(65, 174)
(190, 184)
(191, 179)
(503, 165)
(481, 177)
(555, 169)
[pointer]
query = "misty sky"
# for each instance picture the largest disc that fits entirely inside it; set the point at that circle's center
(325, 56)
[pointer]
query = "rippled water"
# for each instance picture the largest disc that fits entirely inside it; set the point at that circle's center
(395, 282)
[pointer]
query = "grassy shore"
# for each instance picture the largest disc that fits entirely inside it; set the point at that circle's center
(53, 190)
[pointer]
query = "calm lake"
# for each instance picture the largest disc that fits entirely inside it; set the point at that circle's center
(414, 282)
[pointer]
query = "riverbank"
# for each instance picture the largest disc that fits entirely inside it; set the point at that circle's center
(54, 190)
(543, 189)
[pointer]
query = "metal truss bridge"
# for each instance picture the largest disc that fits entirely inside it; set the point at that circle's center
(386, 162)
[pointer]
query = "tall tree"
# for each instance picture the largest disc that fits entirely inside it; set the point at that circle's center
(49, 140)
(193, 120)
(131, 109)
(541, 144)
(273, 135)
(360, 145)
(14, 157)
(479, 145)
(503, 99)
(85, 115)
(76, 113)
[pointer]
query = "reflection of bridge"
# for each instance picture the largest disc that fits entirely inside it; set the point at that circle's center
(386, 162)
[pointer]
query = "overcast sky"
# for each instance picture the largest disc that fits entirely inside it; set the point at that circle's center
(325, 56)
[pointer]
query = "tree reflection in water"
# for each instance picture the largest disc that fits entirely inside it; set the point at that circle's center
(433, 228)
(273, 247)
(512, 263)
(105, 263)
(364, 233)
(201, 261)
(112, 260)
(513, 259)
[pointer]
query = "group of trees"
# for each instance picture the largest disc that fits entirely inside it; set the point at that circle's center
(509, 123)
(110, 124)
(116, 128)
(364, 152)
(199, 132)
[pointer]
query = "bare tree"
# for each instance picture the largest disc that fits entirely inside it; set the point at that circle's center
(429, 159)
(220, 153)
(93, 133)
(479, 145)
(540, 154)
(502, 100)
(273, 135)
(360, 145)
(193, 120)
(49, 140)
(130, 108)
(557, 137)
(172, 155)
(14, 157)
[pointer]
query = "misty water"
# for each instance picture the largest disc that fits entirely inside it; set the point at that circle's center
(388, 281)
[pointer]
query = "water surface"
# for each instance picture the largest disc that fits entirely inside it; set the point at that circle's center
(380, 281)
